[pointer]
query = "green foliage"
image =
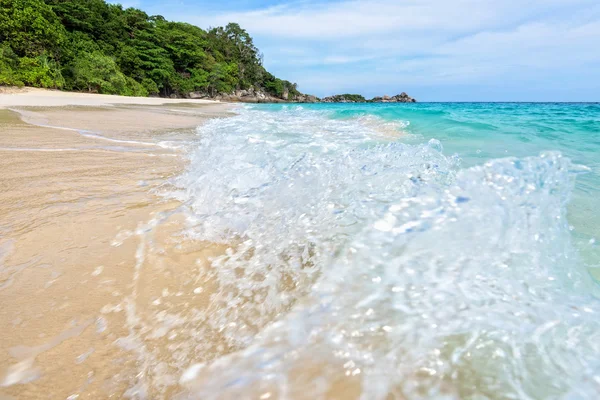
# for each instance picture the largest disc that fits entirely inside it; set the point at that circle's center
(30, 27)
(279, 88)
(150, 87)
(134, 88)
(95, 72)
(41, 71)
(354, 97)
(93, 46)
(9, 63)
(357, 98)
(184, 43)
(233, 42)
(275, 87)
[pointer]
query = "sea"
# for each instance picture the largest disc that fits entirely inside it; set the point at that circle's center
(399, 251)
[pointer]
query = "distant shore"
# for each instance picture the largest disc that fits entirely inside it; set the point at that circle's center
(27, 96)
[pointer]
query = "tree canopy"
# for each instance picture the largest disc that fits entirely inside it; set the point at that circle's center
(90, 45)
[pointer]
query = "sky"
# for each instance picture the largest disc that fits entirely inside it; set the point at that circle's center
(435, 50)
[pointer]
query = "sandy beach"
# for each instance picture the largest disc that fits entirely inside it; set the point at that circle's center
(83, 293)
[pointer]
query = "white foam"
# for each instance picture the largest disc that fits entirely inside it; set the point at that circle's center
(385, 265)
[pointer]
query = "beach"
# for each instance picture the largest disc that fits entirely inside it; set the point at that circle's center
(299, 200)
(396, 251)
(82, 176)
(170, 249)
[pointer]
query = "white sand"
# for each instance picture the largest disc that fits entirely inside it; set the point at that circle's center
(71, 208)
(31, 97)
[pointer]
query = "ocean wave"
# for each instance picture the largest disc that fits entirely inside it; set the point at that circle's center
(358, 267)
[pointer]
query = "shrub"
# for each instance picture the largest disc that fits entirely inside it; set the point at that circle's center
(98, 73)
(9, 63)
(41, 71)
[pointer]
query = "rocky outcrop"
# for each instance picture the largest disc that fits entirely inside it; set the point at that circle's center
(356, 98)
(254, 96)
(260, 96)
(305, 98)
(344, 98)
(399, 98)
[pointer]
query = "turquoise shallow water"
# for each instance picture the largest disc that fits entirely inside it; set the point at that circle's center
(409, 251)
(479, 132)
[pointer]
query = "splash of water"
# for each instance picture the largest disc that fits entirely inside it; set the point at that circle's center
(360, 267)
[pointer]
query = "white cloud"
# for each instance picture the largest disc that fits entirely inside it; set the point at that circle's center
(345, 59)
(357, 18)
(324, 46)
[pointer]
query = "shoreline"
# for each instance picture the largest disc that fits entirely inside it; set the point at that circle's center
(36, 97)
(81, 187)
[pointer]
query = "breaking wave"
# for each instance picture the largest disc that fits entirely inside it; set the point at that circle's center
(358, 266)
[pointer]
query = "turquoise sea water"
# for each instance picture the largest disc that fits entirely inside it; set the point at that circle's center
(479, 132)
(409, 251)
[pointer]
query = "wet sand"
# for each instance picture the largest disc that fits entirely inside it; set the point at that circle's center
(98, 300)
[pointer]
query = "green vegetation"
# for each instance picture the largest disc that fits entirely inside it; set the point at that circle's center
(354, 97)
(357, 98)
(93, 46)
(345, 98)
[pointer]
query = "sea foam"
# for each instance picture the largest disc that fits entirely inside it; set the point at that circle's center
(363, 267)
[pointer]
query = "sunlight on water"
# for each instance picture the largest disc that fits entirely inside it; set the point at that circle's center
(359, 266)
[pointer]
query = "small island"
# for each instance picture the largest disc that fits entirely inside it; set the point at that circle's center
(357, 98)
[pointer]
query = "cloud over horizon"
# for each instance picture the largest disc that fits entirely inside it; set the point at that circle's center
(433, 49)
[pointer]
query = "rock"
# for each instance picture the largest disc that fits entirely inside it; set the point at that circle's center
(304, 98)
(344, 98)
(195, 95)
(253, 95)
(399, 98)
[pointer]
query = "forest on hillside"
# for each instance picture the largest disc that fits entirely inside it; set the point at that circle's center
(93, 46)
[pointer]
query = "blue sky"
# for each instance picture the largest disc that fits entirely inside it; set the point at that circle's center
(435, 50)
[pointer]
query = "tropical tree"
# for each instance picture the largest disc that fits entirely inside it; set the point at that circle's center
(30, 28)
(94, 46)
(95, 72)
